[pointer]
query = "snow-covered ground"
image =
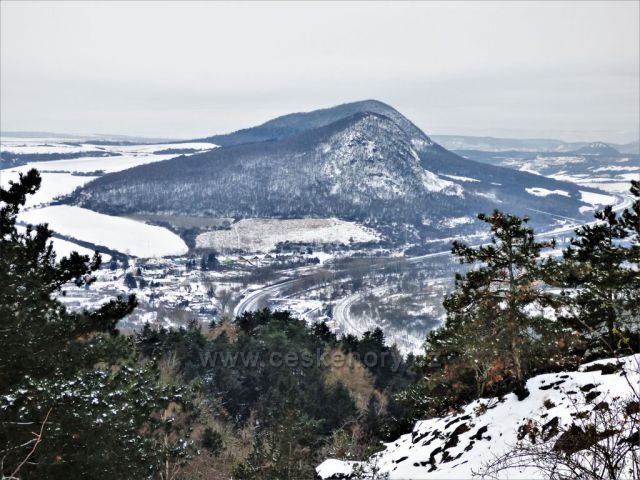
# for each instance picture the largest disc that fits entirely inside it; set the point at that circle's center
(62, 177)
(454, 222)
(117, 233)
(262, 235)
(93, 164)
(614, 184)
(63, 247)
(597, 199)
(543, 192)
(458, 445)
(53, 185)
(461, 178)
(28, 146)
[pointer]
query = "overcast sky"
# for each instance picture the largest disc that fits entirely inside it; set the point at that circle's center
(516, 69)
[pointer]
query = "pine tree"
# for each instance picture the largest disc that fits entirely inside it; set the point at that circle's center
(285, 451)
(212, 261)
(372, 420)
(631, 218)
(68, 376)
(600, 276)
(494, 325)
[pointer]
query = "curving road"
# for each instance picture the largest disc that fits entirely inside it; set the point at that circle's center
(342, 308)
(252, 301)
(341, 311)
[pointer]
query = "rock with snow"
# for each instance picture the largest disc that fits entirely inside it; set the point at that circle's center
(458, 445)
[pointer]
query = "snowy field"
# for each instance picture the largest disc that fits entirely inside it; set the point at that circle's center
(53, 185)
(92, 164)
(615, 184)
(25, 146)
(262, 235)
(117, 233)
(58, 179)
(597, 199)
(63, 247)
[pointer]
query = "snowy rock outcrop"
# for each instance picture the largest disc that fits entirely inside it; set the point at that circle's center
(459, 445)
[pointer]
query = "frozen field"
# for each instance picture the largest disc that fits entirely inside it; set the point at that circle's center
(63, 248)
(121, 234)
(117, 233)
(53, 185)
(262, 235)
(597, 199)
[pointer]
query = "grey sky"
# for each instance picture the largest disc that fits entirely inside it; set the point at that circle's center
(565, 70)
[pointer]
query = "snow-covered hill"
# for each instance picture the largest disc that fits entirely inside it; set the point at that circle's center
(362, 162)
(493, 144)
(459, 445)
(597, 148)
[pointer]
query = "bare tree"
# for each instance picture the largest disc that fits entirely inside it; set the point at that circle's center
(224, 296)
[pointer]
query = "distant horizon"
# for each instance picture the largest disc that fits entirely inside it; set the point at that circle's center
(566, 70)
(8, 133)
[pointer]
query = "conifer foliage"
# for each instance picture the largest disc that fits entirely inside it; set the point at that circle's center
(514, 314)
(601, 278)
(494, 326)
(74, 402)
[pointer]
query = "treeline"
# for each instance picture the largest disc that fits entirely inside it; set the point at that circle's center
(278, 396)
(12, 159)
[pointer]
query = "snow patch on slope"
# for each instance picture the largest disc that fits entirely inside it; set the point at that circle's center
(463, 179)
(454, 222)
(543, 192)
(596, 198)
(457, 445)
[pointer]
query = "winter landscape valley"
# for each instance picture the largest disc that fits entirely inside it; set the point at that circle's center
(351, 273)
(320, 240)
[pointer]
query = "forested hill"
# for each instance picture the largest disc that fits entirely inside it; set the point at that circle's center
(359, 167)
(367, 166)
